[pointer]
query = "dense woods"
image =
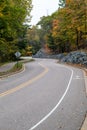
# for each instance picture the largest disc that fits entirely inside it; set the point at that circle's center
(63, 31)
(13, 15)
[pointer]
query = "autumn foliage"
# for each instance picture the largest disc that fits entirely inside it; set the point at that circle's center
(68, 26)
(12, 29)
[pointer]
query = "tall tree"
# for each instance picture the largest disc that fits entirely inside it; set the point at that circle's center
(33, 38)
(69, 25)
(12, 17)
(46, 25)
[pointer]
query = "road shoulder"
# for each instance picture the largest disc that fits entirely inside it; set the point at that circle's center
(84, 126)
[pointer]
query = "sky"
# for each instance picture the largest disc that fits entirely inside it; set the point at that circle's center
(42, 8)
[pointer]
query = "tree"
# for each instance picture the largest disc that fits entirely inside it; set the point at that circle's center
(46, 25)
(75, 11)
(12, 17)
(69, 26)
(33, 38)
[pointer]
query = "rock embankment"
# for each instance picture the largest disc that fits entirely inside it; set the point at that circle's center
(42, 54)
(76, 57)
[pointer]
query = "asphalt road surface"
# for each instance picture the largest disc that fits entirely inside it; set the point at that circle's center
(45, 96)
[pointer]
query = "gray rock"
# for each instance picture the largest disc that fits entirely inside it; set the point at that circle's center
(75, 57)
(42, 54)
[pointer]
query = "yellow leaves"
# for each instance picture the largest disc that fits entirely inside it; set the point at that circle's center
(28, 53)
(69, 25)
(55, 34)
(55, 23)
(28, 50)
(55, 28)
(1, 14)
(1, 9)
(78, 28)
(68, 1)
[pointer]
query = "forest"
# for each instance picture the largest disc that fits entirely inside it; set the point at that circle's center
(13, 15)
(66, 29)
(63, 31)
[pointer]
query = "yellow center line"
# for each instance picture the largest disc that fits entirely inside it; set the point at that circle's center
(23, 85)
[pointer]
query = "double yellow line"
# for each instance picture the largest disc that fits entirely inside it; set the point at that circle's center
(23, 85)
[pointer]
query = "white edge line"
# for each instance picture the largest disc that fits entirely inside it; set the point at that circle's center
(50, 113)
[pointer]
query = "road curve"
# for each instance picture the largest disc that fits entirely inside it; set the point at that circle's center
(46, 96)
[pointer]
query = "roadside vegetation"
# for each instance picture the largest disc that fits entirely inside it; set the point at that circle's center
(16, 68)
(66, 29)
(13, 18)
(62, 32)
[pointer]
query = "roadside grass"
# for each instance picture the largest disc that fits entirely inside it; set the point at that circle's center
(16, 68)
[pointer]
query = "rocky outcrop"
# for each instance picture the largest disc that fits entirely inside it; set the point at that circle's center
(76, 57)
(42, 54)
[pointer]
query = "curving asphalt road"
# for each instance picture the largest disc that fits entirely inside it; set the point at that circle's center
(45, 96)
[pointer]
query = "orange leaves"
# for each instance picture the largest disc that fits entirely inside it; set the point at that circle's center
(1, 14)
(55, 22)
(55, 27)
(68, 1)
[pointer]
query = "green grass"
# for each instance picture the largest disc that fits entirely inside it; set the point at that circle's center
(16, 68)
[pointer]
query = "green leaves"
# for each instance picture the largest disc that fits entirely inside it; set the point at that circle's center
(13, 14)
(65, 29)
(67, 26)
